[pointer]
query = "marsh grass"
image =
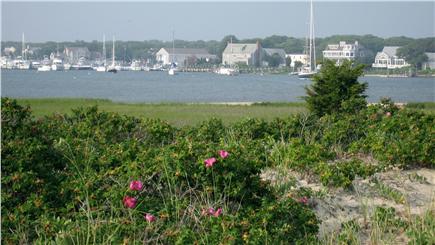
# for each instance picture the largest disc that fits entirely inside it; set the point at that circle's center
(178, 114)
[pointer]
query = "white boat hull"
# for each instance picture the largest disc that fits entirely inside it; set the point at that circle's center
(44, 68)
(101, 69)
(227, 71)
(306, 74)
(57, 67)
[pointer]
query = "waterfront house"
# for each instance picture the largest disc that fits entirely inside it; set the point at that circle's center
(303, 58)
(73, 54)
(183, 56)
(278, 51)
(388, 59)
(430, 63)
(342, 51)
(9, 51)
(250, 54)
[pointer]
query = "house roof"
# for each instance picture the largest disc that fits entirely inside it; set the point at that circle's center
(271, 51)
(78, 49)
(430, 56)
(390, 50)
(241, 48)
(189, 51)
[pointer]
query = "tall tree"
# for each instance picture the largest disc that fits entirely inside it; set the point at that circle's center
(336, 89)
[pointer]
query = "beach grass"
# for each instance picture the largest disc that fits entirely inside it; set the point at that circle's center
(178, 114)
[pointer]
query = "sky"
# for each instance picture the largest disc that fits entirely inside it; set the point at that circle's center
(205, 20)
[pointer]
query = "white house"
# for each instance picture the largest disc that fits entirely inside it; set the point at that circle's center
(247, 53)
(303, 58)
(388, 59)
(342, 51)
(430, 63)
(182, 56)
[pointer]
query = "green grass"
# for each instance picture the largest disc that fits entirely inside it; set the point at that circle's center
(176, 113)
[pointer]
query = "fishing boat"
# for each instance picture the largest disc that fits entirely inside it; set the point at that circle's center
(310, 69)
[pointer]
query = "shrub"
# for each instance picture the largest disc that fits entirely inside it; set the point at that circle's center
(336, 89)
(66, 180)
(341, 174)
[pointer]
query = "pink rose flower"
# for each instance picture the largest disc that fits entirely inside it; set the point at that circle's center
(215, 213)
(388, 114)
(209, 162)
(304, 200)
(136, 185)
(218, 212)
(211, 211)
(129, 202)
(223, 154)
(150, 218)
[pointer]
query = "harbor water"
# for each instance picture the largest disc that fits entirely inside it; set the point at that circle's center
(154, 87)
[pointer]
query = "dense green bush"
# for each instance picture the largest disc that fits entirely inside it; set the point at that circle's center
(64, 177)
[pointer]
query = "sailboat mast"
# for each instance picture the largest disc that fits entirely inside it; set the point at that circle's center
(113, 52)
(104, 48)
(231, 46)
(173, 46)
(312, 41)
(22, 48)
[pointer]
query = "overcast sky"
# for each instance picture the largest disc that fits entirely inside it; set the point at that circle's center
(69, 21)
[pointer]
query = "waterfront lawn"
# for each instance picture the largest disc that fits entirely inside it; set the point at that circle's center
(177, 114)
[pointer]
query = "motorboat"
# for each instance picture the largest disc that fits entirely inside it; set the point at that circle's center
(57, 65)
(227, 71)
(135, 66)
(44, 68)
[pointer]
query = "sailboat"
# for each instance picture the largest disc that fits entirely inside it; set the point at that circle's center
(102, 68)
(22, 63)
(172, 69)
(112, 68)
(310, 69)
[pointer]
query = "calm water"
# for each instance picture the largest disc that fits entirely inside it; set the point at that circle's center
(191, 87)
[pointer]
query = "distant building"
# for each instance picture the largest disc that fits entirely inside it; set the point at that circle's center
(250, 54)
(388, 59)
(278, 51)
(73, 54)
(183, 56)
(8, 51)
(303, 58)
(342, 51)
(430, 63)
